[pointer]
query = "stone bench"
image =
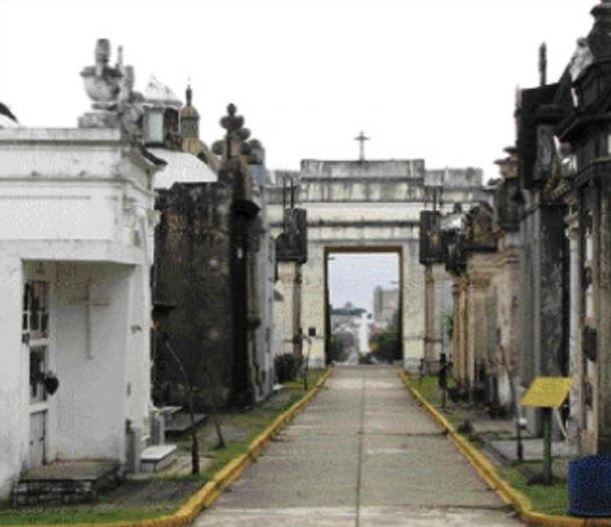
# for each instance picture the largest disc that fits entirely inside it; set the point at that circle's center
(157, 457)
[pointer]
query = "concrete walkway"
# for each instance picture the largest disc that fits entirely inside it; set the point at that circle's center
(362, 454)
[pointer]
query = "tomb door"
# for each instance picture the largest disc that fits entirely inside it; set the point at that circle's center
(37, 447)
(35, 338)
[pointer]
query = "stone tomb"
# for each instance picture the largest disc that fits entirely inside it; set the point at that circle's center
(75, 253)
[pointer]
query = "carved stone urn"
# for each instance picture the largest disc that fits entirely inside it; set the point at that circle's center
(102, 82)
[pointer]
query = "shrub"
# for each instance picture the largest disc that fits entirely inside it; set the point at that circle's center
(387, 346)
(335, 350)
(287, 367)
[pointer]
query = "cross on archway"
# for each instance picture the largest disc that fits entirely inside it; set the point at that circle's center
(361, 138)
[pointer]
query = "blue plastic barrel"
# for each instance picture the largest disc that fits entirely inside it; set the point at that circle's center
(590, 486)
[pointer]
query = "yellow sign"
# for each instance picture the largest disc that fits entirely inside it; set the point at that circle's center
(547, 392)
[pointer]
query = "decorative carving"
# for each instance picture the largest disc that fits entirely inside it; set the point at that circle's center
(545, 150)
(479, 228)
(102, 82)
(115, 103)
(581, 59)
(454, 244)
(431, 248)
(292, 244)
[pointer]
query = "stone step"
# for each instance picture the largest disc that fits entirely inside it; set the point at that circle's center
(65, 482)
(156, 458)
(180, 422)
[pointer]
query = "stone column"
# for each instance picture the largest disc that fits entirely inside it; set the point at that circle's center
(508, 320)
(412, 302)
(429, 318)
(603, 290)
(443, 308)
(477, 328)
(289, 274)
(577, 418)
(14, 375)
(460, 333)
(313, 300)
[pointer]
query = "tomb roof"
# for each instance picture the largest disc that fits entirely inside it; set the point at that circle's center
(181, 167)
(158, 94)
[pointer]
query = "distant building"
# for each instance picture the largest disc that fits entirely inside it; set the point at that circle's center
(353, 320)
(385, 306)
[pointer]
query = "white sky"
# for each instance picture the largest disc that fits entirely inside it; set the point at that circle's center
(432, 79)
(353, 277)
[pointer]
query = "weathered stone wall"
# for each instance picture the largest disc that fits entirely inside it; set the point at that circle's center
(263, 278)
(503, 347)
(604, 317)
(544, 277)
(192, 270)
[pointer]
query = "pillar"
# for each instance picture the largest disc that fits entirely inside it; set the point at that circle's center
(14, 374)
(289, 274)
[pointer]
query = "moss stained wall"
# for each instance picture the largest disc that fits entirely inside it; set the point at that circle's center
(192, 271)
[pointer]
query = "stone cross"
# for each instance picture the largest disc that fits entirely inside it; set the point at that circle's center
(88, 303)
(361, 138)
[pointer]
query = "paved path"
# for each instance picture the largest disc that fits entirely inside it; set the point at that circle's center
(361, 454)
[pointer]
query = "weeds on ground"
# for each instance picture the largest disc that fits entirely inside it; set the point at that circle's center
(548, 499)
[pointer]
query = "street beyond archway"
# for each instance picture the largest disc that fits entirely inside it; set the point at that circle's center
(363, 453)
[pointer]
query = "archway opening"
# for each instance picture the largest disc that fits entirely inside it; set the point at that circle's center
(363, 322)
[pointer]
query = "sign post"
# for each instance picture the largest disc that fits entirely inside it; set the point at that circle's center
(547, 393)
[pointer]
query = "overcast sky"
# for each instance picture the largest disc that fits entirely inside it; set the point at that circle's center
(353, 277)
(431, 79)
(428, 79)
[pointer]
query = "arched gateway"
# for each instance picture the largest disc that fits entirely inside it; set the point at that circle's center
(367, 206)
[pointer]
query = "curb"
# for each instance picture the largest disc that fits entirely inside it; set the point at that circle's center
(484, 467)
(206, 496)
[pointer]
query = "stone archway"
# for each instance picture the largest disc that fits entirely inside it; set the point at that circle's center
(333, 250)
(368, 206)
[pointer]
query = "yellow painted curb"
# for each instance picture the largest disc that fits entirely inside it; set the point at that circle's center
(206, 495)
(488, 472)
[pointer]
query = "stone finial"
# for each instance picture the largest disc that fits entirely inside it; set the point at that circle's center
(232, 122)
(543, 64)
(256, 152)
(102, 55)
(102, 83)
(602, 16)
(115, 103)
(236, 135)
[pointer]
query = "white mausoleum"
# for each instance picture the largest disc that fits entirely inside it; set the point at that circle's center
(76, 225)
